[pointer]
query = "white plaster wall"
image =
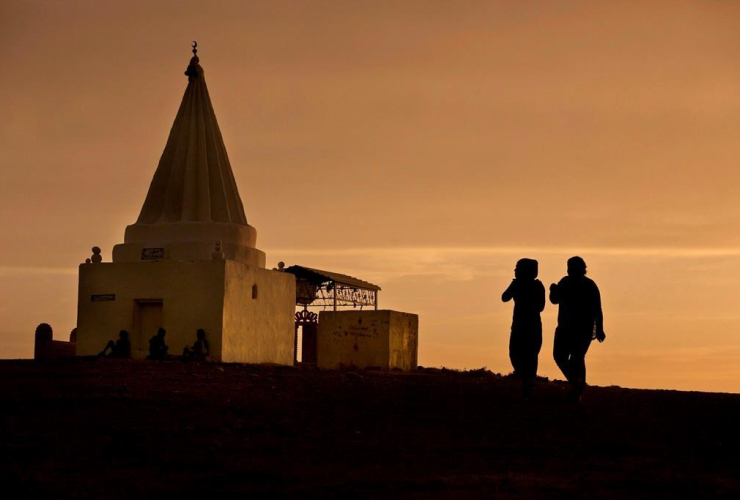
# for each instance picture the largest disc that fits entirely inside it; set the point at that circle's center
(131, 252)
(258, 330)
(192, 295)
(364, 339)
(353, 338)
(192, 231)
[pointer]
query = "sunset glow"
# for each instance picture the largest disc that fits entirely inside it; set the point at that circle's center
(423, 146)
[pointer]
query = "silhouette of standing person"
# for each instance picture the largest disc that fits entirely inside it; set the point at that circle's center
(526, 328)
(580, 320)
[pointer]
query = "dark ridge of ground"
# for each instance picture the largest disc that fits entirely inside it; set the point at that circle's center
(135, 429)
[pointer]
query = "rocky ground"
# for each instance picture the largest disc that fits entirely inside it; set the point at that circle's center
(122, 429)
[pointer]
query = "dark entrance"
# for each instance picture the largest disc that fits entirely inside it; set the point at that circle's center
(307, 323)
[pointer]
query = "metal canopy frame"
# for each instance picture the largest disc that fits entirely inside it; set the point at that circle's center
(317, 288)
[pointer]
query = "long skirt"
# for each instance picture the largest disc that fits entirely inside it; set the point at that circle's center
(524, 348)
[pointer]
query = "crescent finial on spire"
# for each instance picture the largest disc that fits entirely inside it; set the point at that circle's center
(193, 67)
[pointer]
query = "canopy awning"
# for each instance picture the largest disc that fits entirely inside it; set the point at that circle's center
(319, 288)
(317, 276)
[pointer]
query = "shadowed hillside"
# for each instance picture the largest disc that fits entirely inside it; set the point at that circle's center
(122, 429)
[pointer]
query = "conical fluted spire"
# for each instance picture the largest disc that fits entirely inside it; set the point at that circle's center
(194, 181)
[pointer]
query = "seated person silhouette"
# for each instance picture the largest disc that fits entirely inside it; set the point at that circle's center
(157, 348)
(121, 349)
(199, 350)
(526, 328)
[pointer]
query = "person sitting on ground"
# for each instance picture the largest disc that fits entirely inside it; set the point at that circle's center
(121, 349)
(157, 348)
(200, 349)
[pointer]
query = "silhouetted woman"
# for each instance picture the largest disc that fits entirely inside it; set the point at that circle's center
(526, 328)
(200, 349)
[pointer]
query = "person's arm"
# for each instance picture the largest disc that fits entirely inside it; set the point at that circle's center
(598, 315)
(509, 292)
(540, 296)
(555, 293)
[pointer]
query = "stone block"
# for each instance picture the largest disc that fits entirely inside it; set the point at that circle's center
(368, 339)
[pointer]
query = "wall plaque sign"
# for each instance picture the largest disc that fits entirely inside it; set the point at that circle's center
(105, 297)
(152, 253)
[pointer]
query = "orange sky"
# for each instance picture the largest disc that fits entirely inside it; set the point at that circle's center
(425, 146)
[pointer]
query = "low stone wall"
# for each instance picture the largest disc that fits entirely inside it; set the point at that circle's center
(45, 347)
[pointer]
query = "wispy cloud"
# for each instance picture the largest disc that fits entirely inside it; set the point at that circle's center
(669, 252)
(467, 263)
(6, 271)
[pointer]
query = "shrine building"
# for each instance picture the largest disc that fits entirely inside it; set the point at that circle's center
(190, 260)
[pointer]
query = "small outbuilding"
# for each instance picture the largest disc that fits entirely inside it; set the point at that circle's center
(363, 337)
